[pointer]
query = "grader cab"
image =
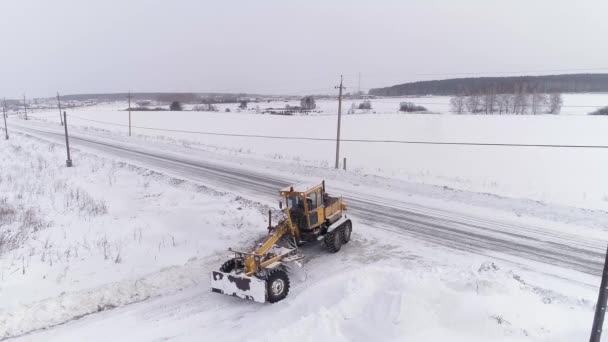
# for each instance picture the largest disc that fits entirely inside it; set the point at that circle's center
(310, 214)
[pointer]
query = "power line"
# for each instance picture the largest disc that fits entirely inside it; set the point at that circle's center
(410, 142)
(42, 117)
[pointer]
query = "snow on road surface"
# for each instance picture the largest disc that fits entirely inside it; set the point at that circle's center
(425, 263)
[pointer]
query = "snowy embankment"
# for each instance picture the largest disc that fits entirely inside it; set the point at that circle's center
(568, 176)
(390, 303)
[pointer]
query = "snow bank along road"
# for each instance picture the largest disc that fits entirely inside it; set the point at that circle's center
(453, 230)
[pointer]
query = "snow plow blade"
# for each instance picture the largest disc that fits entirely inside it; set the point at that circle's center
(241, 286)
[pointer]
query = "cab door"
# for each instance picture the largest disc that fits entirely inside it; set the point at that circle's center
(313, 200)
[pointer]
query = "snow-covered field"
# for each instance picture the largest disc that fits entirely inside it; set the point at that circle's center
(106, 234)
(78, 240)
(566, 176)
(117, 251)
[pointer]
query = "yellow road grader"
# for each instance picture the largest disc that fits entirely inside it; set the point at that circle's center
(310, 214)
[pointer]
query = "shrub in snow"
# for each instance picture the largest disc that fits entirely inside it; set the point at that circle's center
(601, 111)
(308, 103)
(353, 108)
(205, 107)
(175, 106)
(410, 107)
(365, 105)
(7, 212)
(143, 103)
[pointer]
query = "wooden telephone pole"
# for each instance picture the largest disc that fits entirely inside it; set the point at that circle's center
(68, 161)
(129, 113)
(25, 106)
(600, 306)
(341, 87)
(59, 105)
(4, 116)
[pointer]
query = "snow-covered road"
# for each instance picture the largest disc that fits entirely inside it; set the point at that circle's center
(394, 212)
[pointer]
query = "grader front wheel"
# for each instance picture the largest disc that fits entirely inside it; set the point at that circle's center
(231, 265)
(277, 286)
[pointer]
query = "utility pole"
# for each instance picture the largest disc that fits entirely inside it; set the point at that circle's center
(339, 118)
(68, 162)
(129, 113)
(4, 116)
(359, 86)
(59, 105)
(600, 307)
(25, 106)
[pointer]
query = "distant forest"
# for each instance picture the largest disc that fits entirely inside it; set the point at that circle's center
(161, 97)
(572, 83)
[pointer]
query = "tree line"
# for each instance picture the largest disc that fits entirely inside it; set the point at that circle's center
(522, 101)
(571, 83)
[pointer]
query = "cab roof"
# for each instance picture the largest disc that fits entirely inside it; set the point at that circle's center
(301, 187)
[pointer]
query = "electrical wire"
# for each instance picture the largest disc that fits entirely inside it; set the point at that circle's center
(409, 142)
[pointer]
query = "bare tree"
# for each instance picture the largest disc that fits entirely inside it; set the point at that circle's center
(308, 103)
(555, 103)
(520, 99)
(538, 102)
(473, 103)
(457, 104)
(504, 102)
(489, 101)
(353, 108)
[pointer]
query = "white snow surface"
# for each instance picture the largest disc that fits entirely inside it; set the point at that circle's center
(569, 176)
(375, 302)
(101, 235)
(139, 270)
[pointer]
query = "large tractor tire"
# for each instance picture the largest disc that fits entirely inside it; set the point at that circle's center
(277, 285)
(231, 265)
(347, 229)
(333, 240)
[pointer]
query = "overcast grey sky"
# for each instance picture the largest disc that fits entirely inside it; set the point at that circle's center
(85, 46)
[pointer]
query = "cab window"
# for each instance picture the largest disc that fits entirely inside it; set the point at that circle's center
(312, 201)
(295, 202)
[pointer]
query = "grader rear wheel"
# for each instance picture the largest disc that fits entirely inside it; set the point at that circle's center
(347, 229)
(333, 240)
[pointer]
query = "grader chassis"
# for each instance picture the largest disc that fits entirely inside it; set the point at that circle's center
(311, 214)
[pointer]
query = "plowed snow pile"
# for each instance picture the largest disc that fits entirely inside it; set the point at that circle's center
(390, 303)
(384, 301)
